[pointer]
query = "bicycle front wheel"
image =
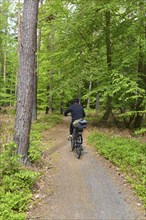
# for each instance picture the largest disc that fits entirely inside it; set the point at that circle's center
(78, 151)
(72, 144)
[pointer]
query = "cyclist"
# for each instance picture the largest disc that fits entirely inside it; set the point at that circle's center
(77, 112)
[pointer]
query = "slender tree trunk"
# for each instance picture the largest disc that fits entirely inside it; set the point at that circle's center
(5, 66)
(19, 25)
(89, 90)
(50, 92)
(97, 102)
(108, 107)
(34, 106)
(5, 70)
(34, 110)
(51, 70)
(139, 106)
(19, 39)
(79, 94)
(62, 103)
(25, 87)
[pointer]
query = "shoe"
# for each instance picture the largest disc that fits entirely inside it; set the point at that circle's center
(70, 137)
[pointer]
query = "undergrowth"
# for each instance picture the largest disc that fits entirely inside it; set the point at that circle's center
(44, 122)
(127, 154)
(17, 181)
(16, 184)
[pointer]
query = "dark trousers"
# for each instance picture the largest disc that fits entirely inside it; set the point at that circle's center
(71, 128)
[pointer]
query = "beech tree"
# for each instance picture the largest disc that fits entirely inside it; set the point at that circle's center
(26, 73)
(91, 49)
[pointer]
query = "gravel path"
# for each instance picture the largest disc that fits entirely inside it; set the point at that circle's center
(89, 188)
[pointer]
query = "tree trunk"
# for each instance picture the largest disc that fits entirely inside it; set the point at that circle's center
(51, 70)
(34, 111)
(19, 25)
(50, 92)
(19, 38)
(108, 107)
(25, 86)
(97, 102)
(139, 117)
(89, 90)
(79, 95)
(34, 106)
(5, 70)
(62, 103)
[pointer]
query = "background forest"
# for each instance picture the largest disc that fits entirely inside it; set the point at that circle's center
(93, 49)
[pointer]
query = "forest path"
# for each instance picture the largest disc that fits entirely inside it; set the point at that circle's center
(86, 188)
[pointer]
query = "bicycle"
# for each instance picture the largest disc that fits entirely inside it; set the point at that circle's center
(77, 138)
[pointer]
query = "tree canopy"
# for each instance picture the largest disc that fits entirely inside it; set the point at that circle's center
(95, 50)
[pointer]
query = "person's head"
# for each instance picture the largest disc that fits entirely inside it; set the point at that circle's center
(76, 100)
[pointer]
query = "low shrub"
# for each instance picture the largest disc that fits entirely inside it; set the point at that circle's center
(16, 184)
(16, 181)
(43, 123)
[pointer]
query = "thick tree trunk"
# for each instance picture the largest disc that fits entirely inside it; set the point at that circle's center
(25, 86)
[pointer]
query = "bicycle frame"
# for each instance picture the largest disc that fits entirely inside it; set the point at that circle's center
(76, 142)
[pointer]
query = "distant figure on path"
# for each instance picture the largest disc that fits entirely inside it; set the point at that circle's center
(77, 112)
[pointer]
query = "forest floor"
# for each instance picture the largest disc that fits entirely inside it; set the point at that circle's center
(87, 188)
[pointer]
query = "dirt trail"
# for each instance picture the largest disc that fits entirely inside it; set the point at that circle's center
(89, 188)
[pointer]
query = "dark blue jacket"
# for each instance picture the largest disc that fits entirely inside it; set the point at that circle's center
(76, 111)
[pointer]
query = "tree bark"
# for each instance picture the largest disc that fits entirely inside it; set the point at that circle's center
(34, 111)
(5, 70)
(108, 107)
(51, 70)
(97, 102)
(19, 25)
(34, 106)
(90, 87)
(25, 86)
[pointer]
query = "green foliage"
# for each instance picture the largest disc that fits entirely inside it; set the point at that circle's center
(127, 154)
(43, 123)
(16, 184)
(79, 53)
(8, 53)
(9, 160)
(141, 131)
